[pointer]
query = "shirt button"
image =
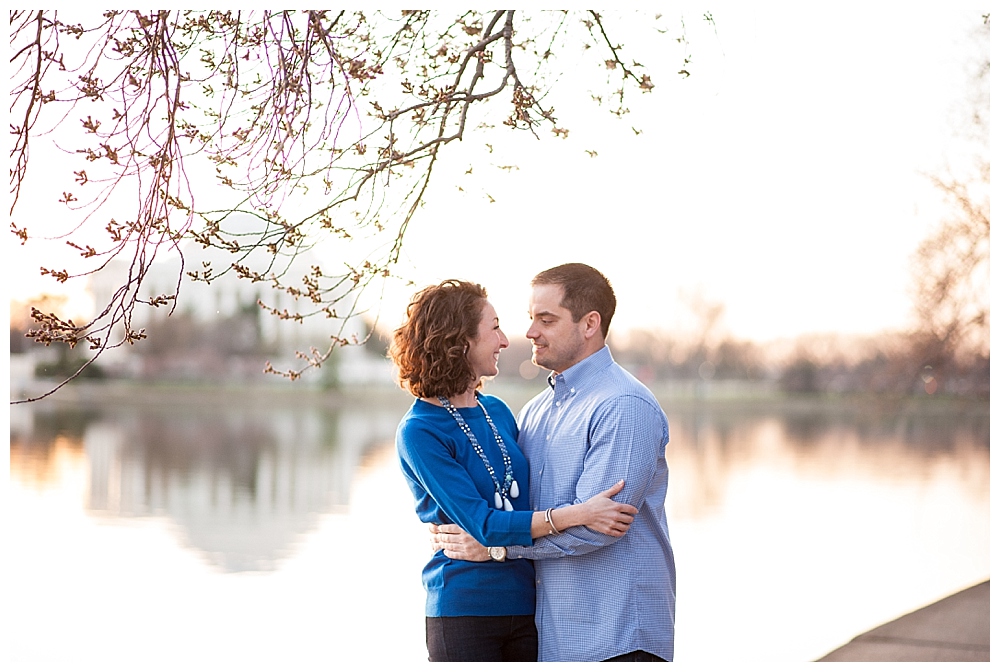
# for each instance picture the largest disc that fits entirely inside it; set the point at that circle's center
(558, 403)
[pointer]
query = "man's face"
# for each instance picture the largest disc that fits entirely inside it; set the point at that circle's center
(557, 340)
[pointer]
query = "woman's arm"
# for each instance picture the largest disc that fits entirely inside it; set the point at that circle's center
(445, 491)
(600, 513)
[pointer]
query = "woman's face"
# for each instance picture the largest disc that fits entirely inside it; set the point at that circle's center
(484, 350)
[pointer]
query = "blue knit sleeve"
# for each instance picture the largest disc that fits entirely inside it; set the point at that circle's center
(445, 491)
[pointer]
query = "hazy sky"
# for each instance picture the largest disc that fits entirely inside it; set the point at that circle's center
(782, 179)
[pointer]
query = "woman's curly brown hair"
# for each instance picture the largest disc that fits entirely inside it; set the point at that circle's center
(429, 348)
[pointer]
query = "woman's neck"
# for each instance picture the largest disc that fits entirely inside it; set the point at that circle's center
(465, 399)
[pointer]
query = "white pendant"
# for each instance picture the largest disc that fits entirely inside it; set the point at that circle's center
(514, 492)
(497, 501)
(506, 505)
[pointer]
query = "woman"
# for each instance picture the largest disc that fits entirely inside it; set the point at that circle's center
(458, 450)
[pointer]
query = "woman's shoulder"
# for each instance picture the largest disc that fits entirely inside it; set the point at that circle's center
(491, 401)
(423, 427)
(496, 406)
(420, 415)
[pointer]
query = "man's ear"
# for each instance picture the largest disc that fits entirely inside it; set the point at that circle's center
(592, 324)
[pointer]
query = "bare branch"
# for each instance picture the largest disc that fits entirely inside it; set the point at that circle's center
(257, 133)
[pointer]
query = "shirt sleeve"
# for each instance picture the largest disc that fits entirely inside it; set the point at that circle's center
(627, 441)
(429, 462)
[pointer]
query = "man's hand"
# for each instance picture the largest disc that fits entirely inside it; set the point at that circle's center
(457, 544)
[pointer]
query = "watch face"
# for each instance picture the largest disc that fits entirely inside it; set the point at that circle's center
(498, 552)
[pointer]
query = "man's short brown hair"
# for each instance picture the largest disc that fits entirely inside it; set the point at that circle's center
(584, 289)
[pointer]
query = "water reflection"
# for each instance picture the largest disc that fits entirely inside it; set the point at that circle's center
(241, 483)
(244, 482)
(714, 443)
(796, 525)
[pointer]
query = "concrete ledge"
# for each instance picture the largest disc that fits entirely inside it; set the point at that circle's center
(955, 629)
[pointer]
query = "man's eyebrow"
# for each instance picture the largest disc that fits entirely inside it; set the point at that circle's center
(546, 313)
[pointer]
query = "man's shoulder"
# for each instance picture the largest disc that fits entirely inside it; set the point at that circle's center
(619, 383)
(620, 396)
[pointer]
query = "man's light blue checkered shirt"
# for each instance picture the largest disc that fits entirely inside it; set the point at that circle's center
(600, 596)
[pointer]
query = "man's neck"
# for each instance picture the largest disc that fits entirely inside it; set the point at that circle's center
(589, 353)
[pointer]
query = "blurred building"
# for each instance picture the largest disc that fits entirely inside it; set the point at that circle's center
(219, 331)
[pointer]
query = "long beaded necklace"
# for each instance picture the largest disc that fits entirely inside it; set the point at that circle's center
(509, 486)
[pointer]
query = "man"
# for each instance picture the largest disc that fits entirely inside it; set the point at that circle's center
(598, 597)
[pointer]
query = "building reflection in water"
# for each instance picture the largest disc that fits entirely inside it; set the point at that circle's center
(242, 485)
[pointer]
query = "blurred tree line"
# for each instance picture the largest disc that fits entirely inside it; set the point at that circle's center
(889, 363)
(183, 348)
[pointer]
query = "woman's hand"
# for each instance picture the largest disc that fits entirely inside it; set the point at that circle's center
(605, 515)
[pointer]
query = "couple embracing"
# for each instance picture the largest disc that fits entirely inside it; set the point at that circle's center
(549, 532)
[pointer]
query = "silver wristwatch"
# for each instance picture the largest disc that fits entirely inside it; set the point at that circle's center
(498, 553)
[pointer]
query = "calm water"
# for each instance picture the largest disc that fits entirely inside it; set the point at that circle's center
(263, 533)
